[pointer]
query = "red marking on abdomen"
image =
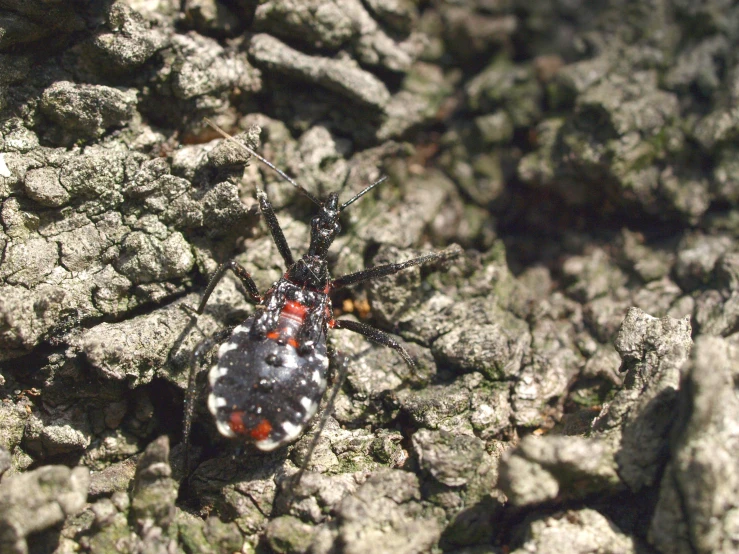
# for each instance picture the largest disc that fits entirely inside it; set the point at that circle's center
(258, 433)
(292, 317)
(294, 310)
(236, 423)
(283, 335)
(261, 431)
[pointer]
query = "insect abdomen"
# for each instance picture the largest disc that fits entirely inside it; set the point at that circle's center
(262, 389)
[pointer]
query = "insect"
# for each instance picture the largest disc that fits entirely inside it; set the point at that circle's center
(272, 370)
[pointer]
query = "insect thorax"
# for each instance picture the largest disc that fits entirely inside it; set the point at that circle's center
(310, 272)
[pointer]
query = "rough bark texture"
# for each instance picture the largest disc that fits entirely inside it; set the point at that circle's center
(584, 154)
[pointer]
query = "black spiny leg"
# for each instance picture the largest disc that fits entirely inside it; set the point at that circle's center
(274, 228)
(390, 269)
(196, 360)
(375, 335)
(243, 276)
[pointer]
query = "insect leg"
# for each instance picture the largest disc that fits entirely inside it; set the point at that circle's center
(374, 335)
(274, 228)
(327, 411)
(241, 273)
(390, 269)
(196, 360)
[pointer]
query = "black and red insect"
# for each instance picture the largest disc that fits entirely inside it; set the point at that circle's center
(272, 370)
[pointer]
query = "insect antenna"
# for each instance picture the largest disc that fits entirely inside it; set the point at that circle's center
(266, 162)
(362, 193)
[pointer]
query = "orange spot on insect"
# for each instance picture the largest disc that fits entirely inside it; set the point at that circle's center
(236, 423)
(261, 431)
(292, 342)
(332, 323)
(273, 335)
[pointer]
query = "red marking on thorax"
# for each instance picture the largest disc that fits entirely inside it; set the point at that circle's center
(294, 310)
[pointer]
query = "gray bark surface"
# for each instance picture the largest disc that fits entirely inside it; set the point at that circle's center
(577, 367)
